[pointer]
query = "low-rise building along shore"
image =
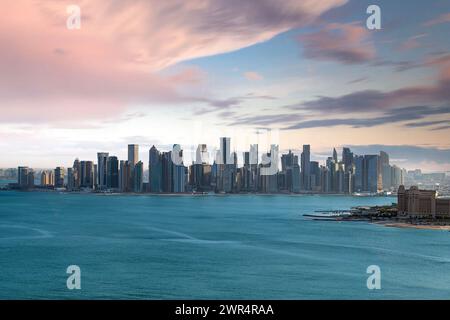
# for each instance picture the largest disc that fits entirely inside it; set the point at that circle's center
(416, 203)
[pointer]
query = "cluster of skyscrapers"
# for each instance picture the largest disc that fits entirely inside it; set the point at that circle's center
(167, 173)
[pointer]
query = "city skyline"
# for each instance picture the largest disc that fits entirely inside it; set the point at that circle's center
(312, 71)
(220, 172)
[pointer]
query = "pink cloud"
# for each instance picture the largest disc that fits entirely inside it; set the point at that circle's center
(115, 59)
(253, 76)
(443, 18)
(346, 43)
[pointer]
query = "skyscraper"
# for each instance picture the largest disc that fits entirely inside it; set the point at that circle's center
(372, 174)
(138, 178)
(70, 179)
(155, 170)
(385, 170)
(102, 169)
(359, 174)
(124, 177)
(179, 178)
(306, 167)
(112, 173)
(22, 177)
(59, 177)
(347, 159)
(167, 171)
(133, 154)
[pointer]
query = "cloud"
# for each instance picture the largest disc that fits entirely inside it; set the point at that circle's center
(374, 100)
(253, 76)
(443, 18)
(50, 73)
(412, 42)
(346, 43)
(426, 123)
(391, 116)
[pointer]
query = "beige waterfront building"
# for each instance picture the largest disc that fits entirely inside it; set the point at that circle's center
(417, 203)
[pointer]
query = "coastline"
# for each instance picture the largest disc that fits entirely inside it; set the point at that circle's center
(405, 225)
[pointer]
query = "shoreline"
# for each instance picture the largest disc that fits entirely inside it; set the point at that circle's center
(405, 225)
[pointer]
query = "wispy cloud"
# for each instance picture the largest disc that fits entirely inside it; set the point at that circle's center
(346, 43)
(443, 18)
(253, 76)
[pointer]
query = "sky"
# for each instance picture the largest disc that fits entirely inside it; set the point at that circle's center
(259, 71)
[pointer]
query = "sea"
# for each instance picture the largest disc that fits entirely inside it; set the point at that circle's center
(210, 247)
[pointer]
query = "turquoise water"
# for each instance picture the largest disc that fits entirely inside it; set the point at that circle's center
(213, 247)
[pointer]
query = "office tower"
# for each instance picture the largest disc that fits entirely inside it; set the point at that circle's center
(87, 174)
(325, 179)
(202, 156)
(333, 171)
(155, 170)
(44, 179)
(340, 178)
(289, 177)
(288, 160)
(249, 177)
(179, 178)
(112, 173)
(76, 174)
(267, 183)
(138, 177)
(358, 184)
(315, 176)
(225, 153)
(335, 156)
(22, 177)
(124, 176)
(349, 177)
(372, 176)
(102, 159)
(133, 154)
(167, 171)
(59, 177)
(306, 167)
(95, 176)
(396, 176)
(196, 176)
(385, 170)
(347, 159)
(70, 179)
(30, 179)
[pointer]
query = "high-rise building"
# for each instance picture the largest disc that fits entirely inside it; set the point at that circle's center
(87, 174)
(138, 179)
(155, 170)
(335, 155)
(30, 179)
(45, 178)
(59, 177)
(133, 154)
(179, 178)
(372, 175)
(70, 179)
(385, 170)
(347, 159)
(358, 184)
(167, 172)
(112, 173)
(125, 182)
(102, 159)
(76, 174)
(22, 177)
(306, 167)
